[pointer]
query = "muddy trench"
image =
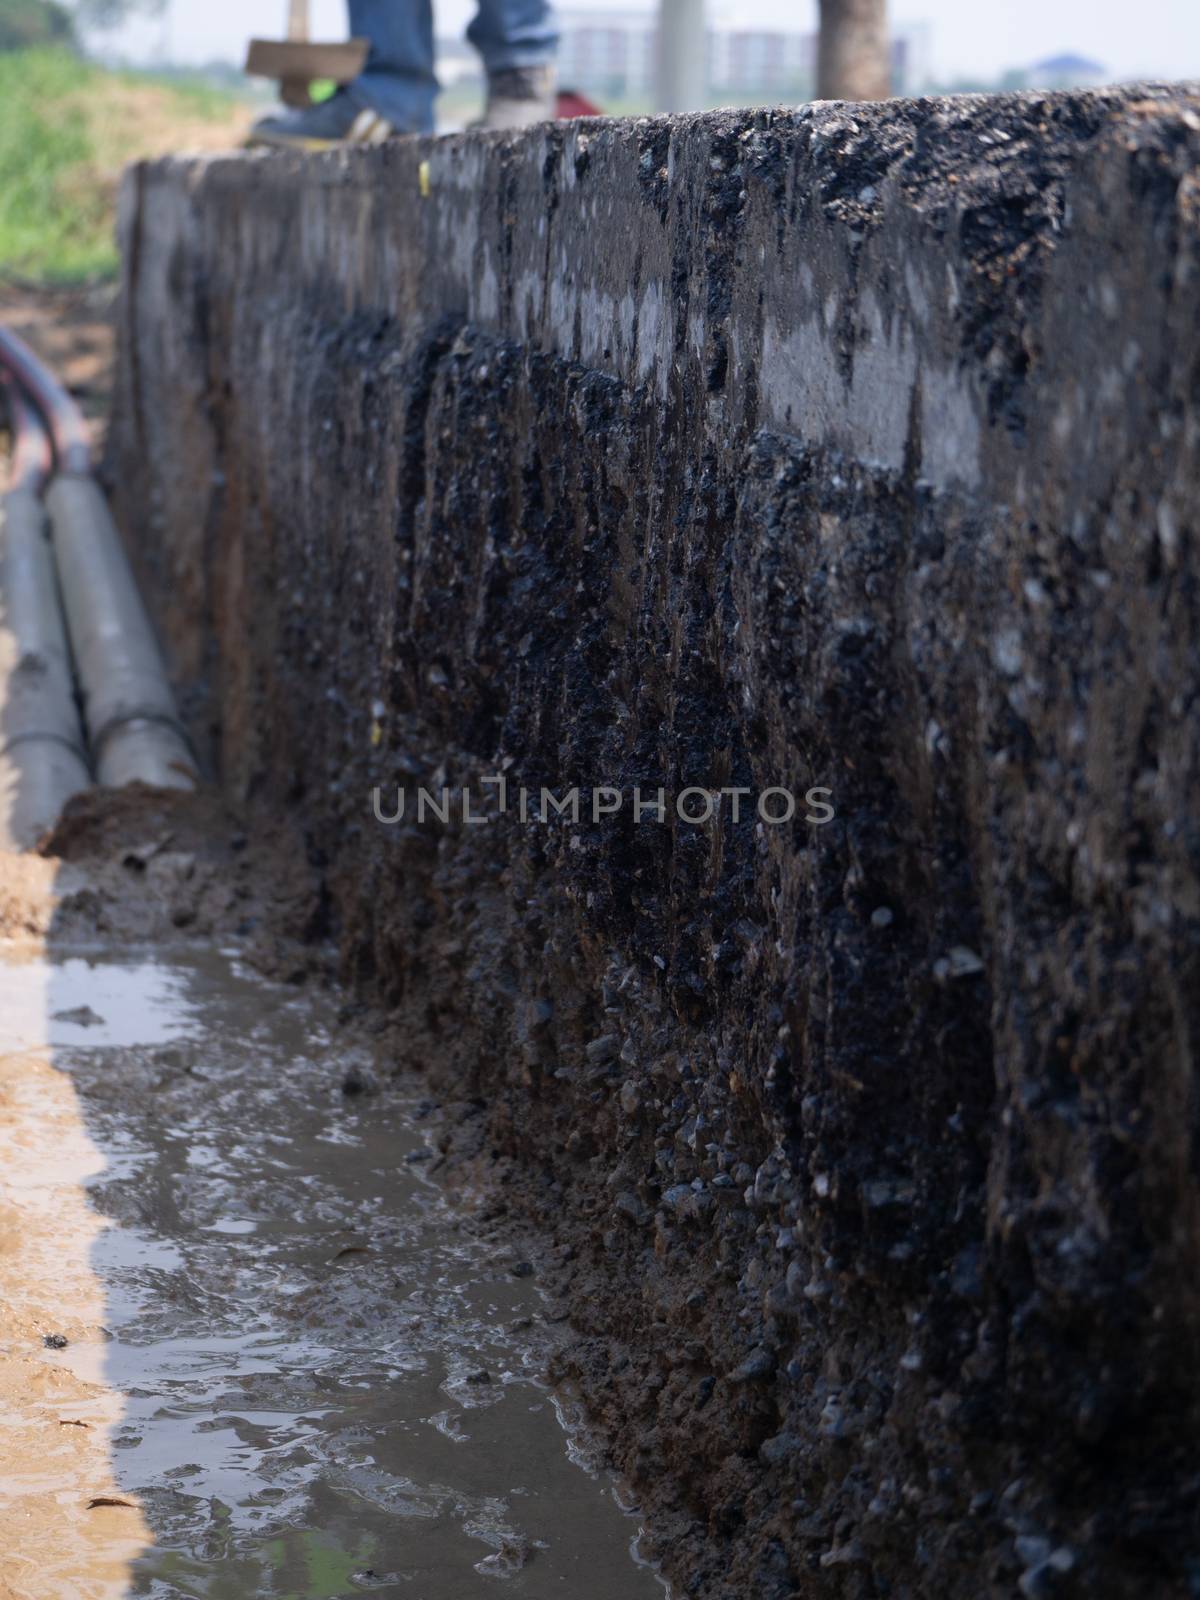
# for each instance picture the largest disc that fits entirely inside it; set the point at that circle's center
(845, 1180)
(252, 1340)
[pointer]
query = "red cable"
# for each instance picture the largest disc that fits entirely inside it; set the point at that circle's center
(30, 462)
(63, 418)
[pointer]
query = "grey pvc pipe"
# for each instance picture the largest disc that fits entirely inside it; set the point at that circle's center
(133, 726)
(132, 723)
(42, 757)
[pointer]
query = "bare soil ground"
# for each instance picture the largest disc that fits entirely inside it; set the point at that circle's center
(142, 864)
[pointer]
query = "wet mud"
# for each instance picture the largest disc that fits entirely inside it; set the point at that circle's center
(249, 1345)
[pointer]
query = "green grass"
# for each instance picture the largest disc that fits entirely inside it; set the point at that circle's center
(66, 129)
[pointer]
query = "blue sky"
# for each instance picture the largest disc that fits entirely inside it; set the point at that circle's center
(981, 37)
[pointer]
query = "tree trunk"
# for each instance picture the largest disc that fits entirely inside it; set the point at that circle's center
(852, 54)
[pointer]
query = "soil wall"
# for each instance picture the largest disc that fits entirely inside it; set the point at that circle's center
(852, 448)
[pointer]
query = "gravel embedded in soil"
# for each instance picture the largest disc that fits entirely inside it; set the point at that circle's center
(837, 442)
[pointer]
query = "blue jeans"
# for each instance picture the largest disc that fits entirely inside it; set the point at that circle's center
(398, 80)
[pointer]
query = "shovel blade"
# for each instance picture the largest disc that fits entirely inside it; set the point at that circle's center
(292, 59)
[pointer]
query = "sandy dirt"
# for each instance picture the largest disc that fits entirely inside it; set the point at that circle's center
(57, 1418)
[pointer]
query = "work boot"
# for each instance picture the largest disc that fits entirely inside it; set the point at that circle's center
(342, 119)
(518, 97)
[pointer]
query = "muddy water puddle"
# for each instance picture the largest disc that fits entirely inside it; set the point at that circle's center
(246, 1346)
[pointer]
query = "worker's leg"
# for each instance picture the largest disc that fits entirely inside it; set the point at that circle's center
(393, 94)
(398, 80)
(514, 33)
(517, 40)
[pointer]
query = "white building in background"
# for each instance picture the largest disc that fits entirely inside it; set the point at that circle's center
(611, 54)
(761, 61)
(608, 53)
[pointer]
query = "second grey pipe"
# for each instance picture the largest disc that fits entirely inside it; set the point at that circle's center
(42, 760)
(133, 726)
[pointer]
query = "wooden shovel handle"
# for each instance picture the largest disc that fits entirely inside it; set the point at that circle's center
(297, 24)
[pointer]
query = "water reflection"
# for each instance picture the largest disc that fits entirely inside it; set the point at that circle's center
(301, 1374)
